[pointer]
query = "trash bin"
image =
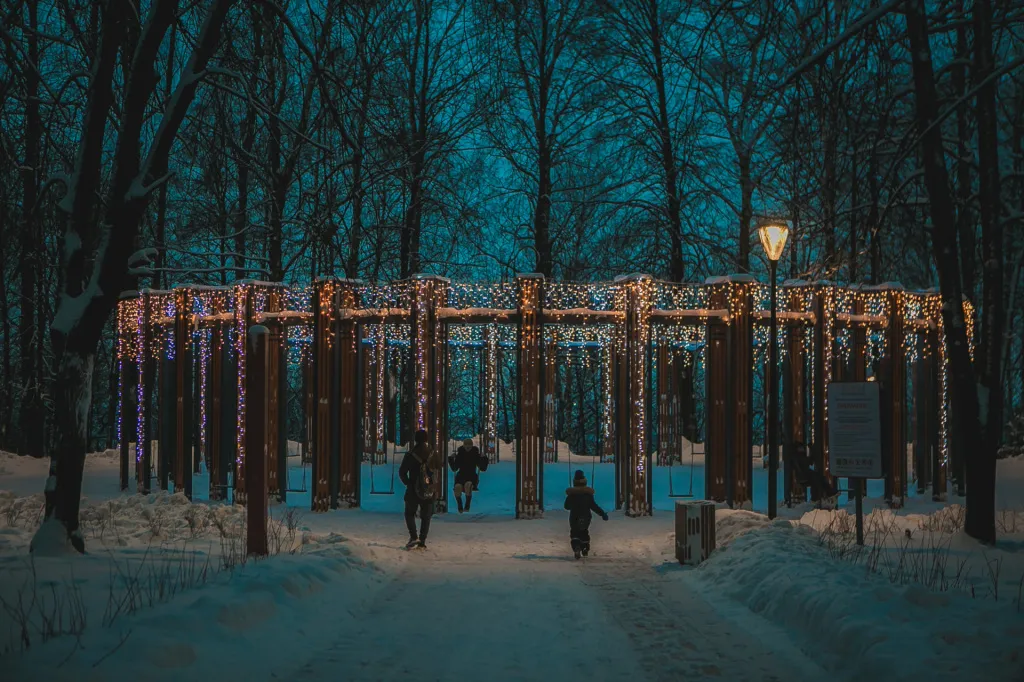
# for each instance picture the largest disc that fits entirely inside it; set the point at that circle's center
(695, 531)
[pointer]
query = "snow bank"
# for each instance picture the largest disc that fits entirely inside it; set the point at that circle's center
(859, 622)
(237, 616)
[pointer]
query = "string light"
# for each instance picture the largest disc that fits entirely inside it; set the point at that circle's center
(598, 339)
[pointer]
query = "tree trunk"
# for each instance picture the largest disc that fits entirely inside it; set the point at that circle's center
(31, 407)
(746, 212)
(964, 158)
(242, 215)
(159, 279)
(980, 522)
(668, 157)
(542, 212)
(965, 426)
(99, 238)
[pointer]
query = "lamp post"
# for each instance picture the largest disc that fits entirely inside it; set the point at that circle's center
(773, 235)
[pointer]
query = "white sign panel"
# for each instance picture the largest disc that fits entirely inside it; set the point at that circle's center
(854, 430)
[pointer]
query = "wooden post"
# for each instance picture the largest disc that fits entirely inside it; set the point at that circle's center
(144, 466)
(741, 361)
(716, 394)
(893, 400)
(168, 420)
(529, 503)
(183, 391)
(308, 401)
(429, 370)
(215, 406)
(439, 355)
(323, 372)
(371, 365)
(934, 369)
(623, 412)
(125, 315)
(823, 363)
(243, 295)
(256, 408)
(490, 394)
(275, 343)
(608, 384)
(636, 462)
(349, 409)
(550, 408)
(794, 388)
(227, 416)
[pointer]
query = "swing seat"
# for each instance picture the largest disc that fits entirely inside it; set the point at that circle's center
(671, 491)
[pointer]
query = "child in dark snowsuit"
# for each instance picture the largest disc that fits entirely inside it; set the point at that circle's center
(579, 500)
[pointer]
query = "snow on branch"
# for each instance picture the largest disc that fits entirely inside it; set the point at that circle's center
(140, 263)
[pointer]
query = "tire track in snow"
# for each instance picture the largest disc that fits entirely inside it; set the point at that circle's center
(675, 633)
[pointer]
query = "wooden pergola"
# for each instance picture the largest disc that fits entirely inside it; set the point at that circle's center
(186, 371)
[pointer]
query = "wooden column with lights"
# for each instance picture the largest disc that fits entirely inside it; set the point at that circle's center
(636, 458)
(324, 444)
(166, 401)
(623, 415)
(441, 360)
(276, 483)
(257, 433)
(489, 447)
(215, 406)
(859, 370)
(893, 377)
(608, 384)
(183, 369)
(933, 350)
(125, 351)
(429, 371)
(716, 401)
(550, 378)
(371, 365)
(308, 402)
(529, 465)
(669, 404)
(346, 486)
(741, 362)
(144, 466)
(250, 299)
(823, 364)
(796, 297)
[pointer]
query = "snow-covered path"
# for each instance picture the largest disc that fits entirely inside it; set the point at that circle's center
(538, 614)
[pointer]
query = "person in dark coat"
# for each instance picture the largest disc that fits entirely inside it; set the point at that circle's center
(465, 463)
(579, 500)
(421, 455)
(807, 476)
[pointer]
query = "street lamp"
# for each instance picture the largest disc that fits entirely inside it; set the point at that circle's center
(773, 235)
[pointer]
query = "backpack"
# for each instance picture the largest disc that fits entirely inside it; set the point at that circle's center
(425, 490)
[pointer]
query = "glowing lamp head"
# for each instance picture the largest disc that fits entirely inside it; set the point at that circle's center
(773, 235)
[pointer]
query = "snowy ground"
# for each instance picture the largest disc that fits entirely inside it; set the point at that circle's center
(164, 594)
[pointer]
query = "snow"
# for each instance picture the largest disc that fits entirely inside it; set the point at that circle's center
(340, 599)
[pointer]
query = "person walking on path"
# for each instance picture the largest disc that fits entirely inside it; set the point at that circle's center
(419, 467)
(465, 463)
(579, 500)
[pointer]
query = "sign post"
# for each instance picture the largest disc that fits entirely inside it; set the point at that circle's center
(855, 437)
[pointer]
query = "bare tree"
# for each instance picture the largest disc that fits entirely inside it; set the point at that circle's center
(100, 236)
